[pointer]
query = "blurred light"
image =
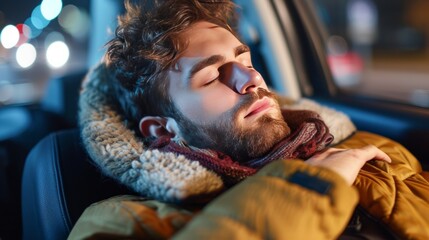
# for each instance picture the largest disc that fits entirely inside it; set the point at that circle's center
(6, 91)
(74, 21)
(9, 36)
(420, 97)
(26, 55)
(346, 65)
(57, 54)
(37, 18)
(24, 33)
(337, 45)
(34, 32)
(362, 18)
(17, 92)
(53, 37)
(51, 8)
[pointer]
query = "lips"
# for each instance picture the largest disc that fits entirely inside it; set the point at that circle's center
(259, 106)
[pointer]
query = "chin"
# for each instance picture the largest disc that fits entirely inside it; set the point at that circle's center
(263, 137)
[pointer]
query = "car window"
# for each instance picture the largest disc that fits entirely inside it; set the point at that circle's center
(271, 52)
(378, 48)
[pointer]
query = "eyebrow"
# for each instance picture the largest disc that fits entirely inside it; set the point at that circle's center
(241, 49)
(215, 59)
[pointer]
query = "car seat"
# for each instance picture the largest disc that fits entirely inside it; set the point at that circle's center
(21, 128)
(59, 182)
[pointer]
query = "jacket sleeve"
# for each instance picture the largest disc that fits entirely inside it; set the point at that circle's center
(285, 200)
(395, 193)
(129, 217)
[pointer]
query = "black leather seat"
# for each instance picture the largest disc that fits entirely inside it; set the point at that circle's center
(59, 182)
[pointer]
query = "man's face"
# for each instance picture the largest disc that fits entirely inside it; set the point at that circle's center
(224, 103)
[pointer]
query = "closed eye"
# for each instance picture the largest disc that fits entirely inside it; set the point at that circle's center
(211, 81)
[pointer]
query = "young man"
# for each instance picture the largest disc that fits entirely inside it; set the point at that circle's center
(208, 130)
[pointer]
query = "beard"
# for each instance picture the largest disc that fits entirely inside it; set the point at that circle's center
(227, 135)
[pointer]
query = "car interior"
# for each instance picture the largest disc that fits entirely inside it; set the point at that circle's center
(46, 177)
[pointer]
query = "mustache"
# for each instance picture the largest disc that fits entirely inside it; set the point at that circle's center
(252, 97)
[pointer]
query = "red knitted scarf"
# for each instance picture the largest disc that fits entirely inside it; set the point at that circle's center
(309, 134)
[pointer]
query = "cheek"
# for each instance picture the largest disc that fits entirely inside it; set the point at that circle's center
(206, 105)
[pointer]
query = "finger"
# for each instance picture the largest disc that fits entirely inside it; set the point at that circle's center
(374, 153)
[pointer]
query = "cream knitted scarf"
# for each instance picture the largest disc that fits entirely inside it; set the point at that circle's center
(162, 175)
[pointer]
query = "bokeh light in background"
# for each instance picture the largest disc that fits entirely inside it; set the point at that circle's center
(26, 55)
(53, 36)
(74, 21)
(42, 39)
(6, 91)
(50, 9)
(37, 18)
(24, 33)
(9, 36)
(57, 54)
(34, 31)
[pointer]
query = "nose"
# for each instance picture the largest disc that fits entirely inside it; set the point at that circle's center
(240, 78)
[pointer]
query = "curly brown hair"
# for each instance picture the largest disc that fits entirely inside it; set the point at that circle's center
(146, 45)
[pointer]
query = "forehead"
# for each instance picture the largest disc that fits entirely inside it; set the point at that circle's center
(205, 39)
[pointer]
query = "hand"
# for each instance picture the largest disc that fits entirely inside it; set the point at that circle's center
(347, 162)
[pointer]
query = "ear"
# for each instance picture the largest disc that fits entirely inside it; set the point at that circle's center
(158, 127)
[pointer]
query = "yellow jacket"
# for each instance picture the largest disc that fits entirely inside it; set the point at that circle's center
(395, 193)
(287, 199)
